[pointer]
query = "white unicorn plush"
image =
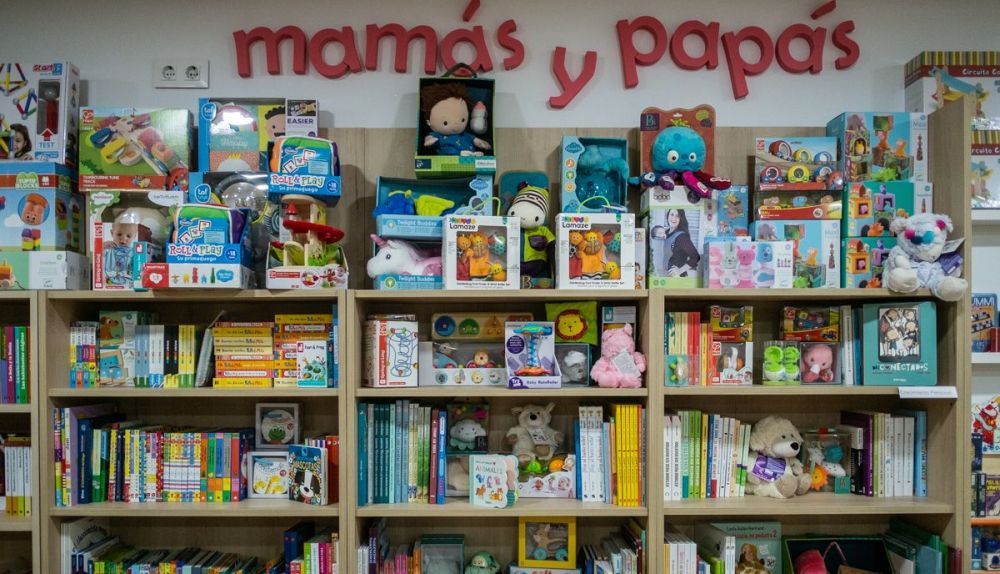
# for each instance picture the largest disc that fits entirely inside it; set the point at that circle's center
(398, 257)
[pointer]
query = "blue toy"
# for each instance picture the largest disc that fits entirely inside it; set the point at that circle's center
(599, 177)
(678, 157)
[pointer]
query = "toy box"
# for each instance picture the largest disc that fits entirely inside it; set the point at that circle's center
(797, 164)
(786, 204)
(884, 146)
(676, 229)
(39, 112)
(530, 355)
(390, 353)
(45, 215)
(732, 206)
(513, 568)
(127, 230)
(134, 148)
(850, 554)
(594, 175)
(934, 79)
(442, 552)
(236, 134)
(413, 209)
(984, 320)
(810, 324)
(900, 344)
(305, 165)
(731, 348)
(985, 169)
(444, 150)
(873, 205)
(556, 479)
(487, 327)
(641, 249)
(780, 363)
(460, 363)
(595, 251)
(481, 252)
(816, 249)
(744, 264)
(864, 260)
(44, 270)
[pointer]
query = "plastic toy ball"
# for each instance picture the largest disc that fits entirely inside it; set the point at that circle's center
(534, 467)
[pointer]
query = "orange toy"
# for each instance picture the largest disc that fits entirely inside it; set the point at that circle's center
(590, 252)
(478, 256)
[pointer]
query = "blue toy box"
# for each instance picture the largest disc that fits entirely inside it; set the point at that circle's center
(594, 175)
(873, 205)
(864, 260)
(414, 209)
(434, 160)
(236, 134)
(900, 344)
(797, 164)
(38, 208)
(816, 249)
(869, 143)
(305, 165)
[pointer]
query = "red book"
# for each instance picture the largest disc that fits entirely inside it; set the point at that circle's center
(235, 467)
(11, 355)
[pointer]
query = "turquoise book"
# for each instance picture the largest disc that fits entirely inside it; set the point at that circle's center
(758, 545)
(899, 346)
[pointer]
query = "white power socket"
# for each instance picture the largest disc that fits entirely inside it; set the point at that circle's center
(180, 73)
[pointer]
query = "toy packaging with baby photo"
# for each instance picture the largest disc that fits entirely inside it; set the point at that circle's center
(39, 112)
(595, 251)
(797, 164)
(42, 212)
(594, 175)
(872, 206)
(455, 127)
(816, 249)
(481, 252)
(530, 355)
(864, 260)
(899, 344)
(731, 348)
(236, 134)
(135, 148)
(414, 209)
(880, 146)
(390, 352)
(676, 230)
(461, 363)
(985, 175)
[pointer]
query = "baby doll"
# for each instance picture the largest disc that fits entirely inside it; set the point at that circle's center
(446, 110)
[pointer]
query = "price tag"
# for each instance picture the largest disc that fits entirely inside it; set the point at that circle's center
(928, 393)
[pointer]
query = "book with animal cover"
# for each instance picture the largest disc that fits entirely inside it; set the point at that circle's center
(757, 545)
(492, 480)
(900, 344)
(308, 467)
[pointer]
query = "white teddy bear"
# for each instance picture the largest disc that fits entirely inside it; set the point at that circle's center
(913, 262)
(773, 466)
(532, 438)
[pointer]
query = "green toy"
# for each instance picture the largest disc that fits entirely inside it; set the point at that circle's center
(781, 363)
(482, 563)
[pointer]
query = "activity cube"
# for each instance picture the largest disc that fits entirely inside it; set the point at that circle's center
(870, 143)
(39, 112)
(481, 252)
(816, 249)
(43, 214)
(873, 205)
(595, 251)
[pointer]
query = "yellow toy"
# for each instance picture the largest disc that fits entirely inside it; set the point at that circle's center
(477, 255)
(590, 251)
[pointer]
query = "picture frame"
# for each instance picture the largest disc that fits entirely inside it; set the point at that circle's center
(278, 425)
(546, 542)
(272, 471)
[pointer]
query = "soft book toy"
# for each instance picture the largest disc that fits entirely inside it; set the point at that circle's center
(773, 466)
(620, 364)
(915, 260)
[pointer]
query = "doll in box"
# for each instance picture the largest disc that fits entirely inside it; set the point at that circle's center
(446, 110)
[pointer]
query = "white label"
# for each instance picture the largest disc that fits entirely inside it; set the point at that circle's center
(928, 392)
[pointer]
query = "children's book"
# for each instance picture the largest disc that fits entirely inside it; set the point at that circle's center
(900, 344)
(758, 545)
(984, 320)
(492, 480)
(308, 466)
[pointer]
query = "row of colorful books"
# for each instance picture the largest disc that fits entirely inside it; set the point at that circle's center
(15, 365)
(888, 452)
(704, 455)
(623, 552)
(15, 475)
(985, 494)
(128, 348)
(612, 454)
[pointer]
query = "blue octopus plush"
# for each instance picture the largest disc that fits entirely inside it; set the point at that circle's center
(678, 157)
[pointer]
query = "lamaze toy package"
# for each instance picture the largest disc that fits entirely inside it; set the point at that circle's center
(481, 252)
(595, 251)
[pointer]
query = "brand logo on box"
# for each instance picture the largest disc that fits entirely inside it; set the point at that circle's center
(87, 117)
(46, 68)
(574, 222)
(463, 224)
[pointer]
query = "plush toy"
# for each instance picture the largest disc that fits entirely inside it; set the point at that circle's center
(482, 563)
(446, 111)
(678, 157)
(398, 257)
(464, 433)
(620, 364)
(817, 363)
(531, 206)
(532, 438)
(775, 469)
(457, 476)
(914, 261)
(573, 368)
(600, 179)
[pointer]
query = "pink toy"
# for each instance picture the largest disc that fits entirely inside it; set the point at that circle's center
(744, 273)
(818, 363)
(398, 257)
(620, 364)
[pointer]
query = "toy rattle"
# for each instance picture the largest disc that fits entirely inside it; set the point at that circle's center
(532, 365)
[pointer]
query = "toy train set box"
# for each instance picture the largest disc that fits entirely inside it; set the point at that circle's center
(455, 136)
(134, 148)
(39, 112)
(38, 209)
(872, 206)
(884, 146)
(236, 134)
(797, 164)
(413, 209)
(934, 79)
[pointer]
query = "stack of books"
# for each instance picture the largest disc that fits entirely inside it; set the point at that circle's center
(612, 454)
(15, 475)
(244, 354)
(401, 453)
(303, 348)
(888, 452)
(704, 456)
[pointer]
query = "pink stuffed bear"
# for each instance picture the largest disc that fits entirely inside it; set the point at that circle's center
(620, 364)
(817, 364)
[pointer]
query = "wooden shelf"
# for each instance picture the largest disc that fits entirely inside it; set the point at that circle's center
(986, 358)
(475, 391)
(498, 296)
(252, 508)
(986, 216)
(818, 504)
(702, 295)
(16, 296)
(9, 409)
(197, 295)
(456, 508)
(200, 393)
(787, 391)
(14, 524)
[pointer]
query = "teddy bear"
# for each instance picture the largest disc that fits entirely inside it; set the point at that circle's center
(774, 467)
(620, 364)
(914, 261)
(817, 363)
(532, 438)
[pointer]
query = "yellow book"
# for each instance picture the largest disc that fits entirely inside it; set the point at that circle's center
(218, 332)
(283, 319)
(241, 382)
(704, 456)
(634, 451)
(666, 558)
(627, 429)
(616, 465)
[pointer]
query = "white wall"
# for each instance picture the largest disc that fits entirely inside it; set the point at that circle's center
(115, 43)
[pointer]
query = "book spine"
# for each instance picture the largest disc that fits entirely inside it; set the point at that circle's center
(441, 462)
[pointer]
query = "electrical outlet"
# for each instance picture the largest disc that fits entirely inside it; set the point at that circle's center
(180, 73)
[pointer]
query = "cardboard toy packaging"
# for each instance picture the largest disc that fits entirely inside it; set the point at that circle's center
(816, 249)
(481, 252)
(934, 79)
(881, 145)
(677, 229)
(443, 151)
(873, 205)
(236, 134)
(39, 112)
(595, 251)
(390, 353)
(985, 175)
(40, 210)
(797, 164)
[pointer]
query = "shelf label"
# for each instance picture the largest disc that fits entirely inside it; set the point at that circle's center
(944, 392)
